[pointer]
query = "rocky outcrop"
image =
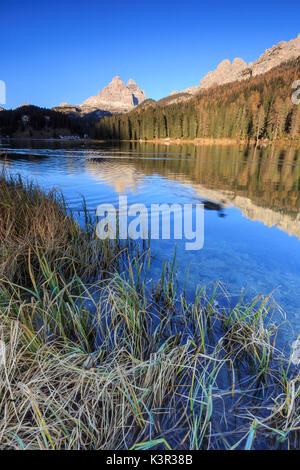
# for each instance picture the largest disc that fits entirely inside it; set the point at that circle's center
(116, 97)
(173, 98)
(228, 72)
(224, 73)
(138, 95)
(283, 52)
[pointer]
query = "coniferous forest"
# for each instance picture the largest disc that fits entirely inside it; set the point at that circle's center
(33, 120)
(258, 108)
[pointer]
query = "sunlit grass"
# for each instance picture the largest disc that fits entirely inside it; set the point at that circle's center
(116, 361)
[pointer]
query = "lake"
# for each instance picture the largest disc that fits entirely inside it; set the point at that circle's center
(251, 196)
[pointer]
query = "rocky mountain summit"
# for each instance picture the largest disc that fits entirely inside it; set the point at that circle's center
(118, 98)
(227, 72)
(275, 56)
(114, 98)
(138, 95)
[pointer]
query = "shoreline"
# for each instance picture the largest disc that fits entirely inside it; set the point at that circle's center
(216, 141)
(204, 141)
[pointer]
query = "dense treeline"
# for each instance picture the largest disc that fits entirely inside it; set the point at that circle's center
(260, 107)
(268, 175)
(32, 119)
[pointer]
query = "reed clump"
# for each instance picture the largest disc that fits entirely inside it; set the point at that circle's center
(35, 224)
(122, 362)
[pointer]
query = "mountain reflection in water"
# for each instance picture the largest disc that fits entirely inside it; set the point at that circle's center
(263, 183)
(251, 196)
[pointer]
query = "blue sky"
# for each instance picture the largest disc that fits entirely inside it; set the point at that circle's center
(54, 51)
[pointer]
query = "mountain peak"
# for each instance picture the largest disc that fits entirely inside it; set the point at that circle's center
(238, 62)
(225, 64)
(131, 82)
(116, 79)
(115, 83)
(239, 70)
(117, 97)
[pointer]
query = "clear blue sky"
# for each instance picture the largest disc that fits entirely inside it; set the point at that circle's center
(54, 51)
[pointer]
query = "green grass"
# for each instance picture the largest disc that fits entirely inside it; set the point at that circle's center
(116, 361)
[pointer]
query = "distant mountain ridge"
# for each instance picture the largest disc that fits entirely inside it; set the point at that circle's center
(260, 108)
(118, 98)
(228, 72)
(238, 70)
(114, 98)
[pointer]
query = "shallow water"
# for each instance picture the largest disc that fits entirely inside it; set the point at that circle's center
(252, 199)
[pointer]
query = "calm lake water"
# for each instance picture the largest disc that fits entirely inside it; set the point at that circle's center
(252, 199)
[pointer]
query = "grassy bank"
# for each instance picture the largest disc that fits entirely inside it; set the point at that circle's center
(95, 355)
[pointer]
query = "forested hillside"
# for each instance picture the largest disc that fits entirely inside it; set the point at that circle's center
(32, 120)
(260, 107)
